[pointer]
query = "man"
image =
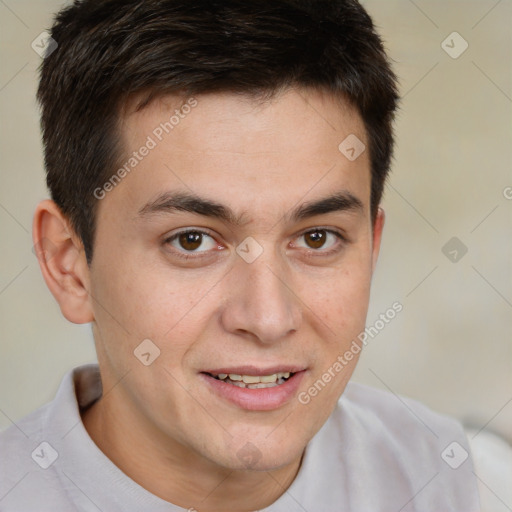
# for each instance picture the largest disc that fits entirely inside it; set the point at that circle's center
(216, 170)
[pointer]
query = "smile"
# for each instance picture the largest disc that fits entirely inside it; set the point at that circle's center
(270, 389)
(254, 381)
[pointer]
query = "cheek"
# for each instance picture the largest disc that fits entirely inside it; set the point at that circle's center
(148, 301)
(341, 301)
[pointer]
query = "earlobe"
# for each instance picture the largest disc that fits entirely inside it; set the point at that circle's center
(377, 235)
(62, 261)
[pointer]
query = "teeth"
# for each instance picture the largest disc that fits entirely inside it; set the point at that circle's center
(249, 379)
(262, 385)
(255, 381)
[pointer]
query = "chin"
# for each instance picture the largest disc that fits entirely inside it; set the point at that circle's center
(262, 455)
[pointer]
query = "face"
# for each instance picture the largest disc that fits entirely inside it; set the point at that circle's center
(272, 281)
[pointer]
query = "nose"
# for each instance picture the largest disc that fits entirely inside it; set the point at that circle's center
(261, 302)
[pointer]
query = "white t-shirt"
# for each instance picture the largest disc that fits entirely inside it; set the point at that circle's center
(376, 453)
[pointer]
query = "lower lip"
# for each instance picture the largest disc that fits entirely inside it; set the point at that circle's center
(264, 399)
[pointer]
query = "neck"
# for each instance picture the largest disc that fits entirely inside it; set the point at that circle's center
(175, 473)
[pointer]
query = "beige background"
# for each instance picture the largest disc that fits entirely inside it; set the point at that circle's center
(451, 346)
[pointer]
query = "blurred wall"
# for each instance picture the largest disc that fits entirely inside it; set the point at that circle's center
(447, 250)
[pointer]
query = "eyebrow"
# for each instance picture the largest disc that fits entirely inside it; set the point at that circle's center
(170, 202)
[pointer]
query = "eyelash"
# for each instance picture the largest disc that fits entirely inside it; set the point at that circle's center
(311, 252)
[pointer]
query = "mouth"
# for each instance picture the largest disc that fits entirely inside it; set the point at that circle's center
(255, 389)
(253, 381)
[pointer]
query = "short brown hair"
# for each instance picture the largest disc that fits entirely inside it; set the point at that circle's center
(110, 50)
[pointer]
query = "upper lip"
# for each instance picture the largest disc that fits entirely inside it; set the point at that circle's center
(256, 371)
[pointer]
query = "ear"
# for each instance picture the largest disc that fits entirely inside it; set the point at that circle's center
(378, 227)
(62, 261)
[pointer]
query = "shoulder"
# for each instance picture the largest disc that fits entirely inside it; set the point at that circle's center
(21, 436)
(398, 444)
(404, 424)
(397, 414)
(25, 473)
(30, 451)
(492, 457)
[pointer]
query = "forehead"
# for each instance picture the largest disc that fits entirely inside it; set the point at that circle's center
(287, 120)
(242, 150)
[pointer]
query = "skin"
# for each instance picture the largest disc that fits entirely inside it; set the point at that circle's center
(161, 424)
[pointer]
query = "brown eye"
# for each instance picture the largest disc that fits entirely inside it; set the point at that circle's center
(316, 239)
(190, 240)
(321, 241)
